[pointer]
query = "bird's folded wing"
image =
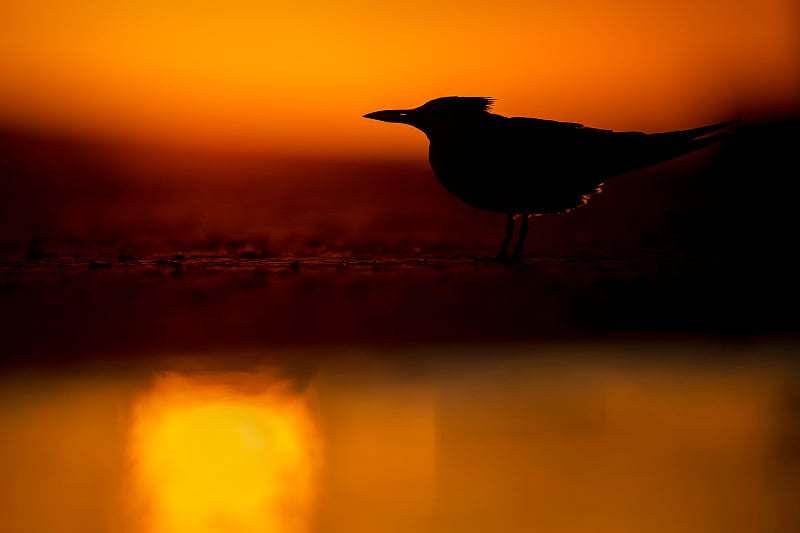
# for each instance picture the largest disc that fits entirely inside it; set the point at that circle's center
(542, 125)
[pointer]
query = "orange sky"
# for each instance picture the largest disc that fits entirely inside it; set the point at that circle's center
(295, 77)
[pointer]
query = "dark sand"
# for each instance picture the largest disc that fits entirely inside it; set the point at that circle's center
(66, 306)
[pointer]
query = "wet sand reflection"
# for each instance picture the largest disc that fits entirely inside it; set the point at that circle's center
(619, 438)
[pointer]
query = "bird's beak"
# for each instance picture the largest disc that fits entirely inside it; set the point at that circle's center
(390, 115)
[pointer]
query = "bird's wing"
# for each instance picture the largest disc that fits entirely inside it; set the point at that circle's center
(535, 127)
(561, 135)
(576, 152)
(542, 126)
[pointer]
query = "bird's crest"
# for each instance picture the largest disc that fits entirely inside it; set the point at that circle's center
(459, 104)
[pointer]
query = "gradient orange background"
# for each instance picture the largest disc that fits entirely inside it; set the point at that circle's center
(296, 77)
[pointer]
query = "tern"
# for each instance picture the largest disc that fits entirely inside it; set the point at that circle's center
(522, 166)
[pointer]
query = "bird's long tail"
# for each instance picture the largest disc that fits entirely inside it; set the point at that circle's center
(697, 133)
(685, 141)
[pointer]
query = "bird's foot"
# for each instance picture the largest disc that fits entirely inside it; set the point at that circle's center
(504, 259)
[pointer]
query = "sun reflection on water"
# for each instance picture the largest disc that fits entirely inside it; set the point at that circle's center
(551, 438)
(225, 453)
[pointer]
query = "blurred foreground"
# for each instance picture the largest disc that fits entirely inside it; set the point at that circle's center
(695, 437)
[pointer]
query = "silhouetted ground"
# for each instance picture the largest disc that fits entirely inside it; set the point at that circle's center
(111, 253)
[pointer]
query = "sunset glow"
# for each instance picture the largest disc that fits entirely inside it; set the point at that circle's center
(296, 78)
(209, 456)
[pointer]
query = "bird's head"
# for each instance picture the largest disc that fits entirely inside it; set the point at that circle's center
(441, 113)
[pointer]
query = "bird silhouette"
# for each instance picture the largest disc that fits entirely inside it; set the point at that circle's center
(528, 166)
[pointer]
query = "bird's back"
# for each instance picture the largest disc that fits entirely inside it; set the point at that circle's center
(528, 165)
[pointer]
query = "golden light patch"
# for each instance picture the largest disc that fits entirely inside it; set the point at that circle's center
(235, 453)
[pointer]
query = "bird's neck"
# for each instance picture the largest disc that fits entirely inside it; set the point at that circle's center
(454, 130)
(448, 135)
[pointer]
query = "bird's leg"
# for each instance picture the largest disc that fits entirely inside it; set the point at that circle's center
(523, 232)
(501, 255)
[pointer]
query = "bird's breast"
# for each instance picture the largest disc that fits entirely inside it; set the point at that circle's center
(472, 175)
(506, 178)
